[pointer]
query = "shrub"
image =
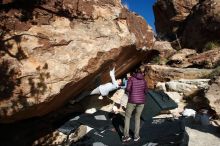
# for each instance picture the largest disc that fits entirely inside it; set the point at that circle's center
(159, 60)
(211, 45)
(155, 60)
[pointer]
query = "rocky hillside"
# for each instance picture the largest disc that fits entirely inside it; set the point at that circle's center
(188, 43)
(190, 78)
(51, 50)
(195, 22)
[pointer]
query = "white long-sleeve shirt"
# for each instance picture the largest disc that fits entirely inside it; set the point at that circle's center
(108, 87)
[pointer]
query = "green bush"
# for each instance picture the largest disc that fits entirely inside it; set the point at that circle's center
(159, 60)
(211, 45)
(155, 60)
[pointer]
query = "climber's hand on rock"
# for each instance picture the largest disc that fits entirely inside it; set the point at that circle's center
(112, 72)
(100, 97)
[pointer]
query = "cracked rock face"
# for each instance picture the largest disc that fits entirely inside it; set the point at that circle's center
(203, 25)
(52, 50)
(171, 14)
(195, 22)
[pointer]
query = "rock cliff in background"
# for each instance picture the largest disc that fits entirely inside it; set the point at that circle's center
(196, 23)
(52, 50)
(192, 27)
(203, 25)
(171, 14)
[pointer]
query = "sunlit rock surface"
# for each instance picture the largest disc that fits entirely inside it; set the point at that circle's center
(53, 50)
(161, 73)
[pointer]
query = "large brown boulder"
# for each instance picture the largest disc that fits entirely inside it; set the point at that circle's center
(171, 14)
(180, 59)
(208, 59)
(203, 25)
(213, 95)
(53, 50)
(158, 73)
(160, 52)
(164, 48)
(189, 58)
(187, 87)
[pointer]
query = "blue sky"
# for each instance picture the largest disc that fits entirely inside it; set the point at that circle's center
(143, 8)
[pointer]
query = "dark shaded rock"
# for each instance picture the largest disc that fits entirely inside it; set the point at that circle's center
(196, 23)
(203, 25)
(170, 15)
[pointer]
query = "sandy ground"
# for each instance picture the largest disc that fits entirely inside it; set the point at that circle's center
(199, 138)
(199, 135)
(202, 135)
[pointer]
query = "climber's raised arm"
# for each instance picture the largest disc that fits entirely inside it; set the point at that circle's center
(112, 75)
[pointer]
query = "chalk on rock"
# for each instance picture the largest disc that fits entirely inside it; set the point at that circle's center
(189, 113)
(90, 111)
(100, 97)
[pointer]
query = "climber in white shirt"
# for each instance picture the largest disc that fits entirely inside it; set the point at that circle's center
(103, 89)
